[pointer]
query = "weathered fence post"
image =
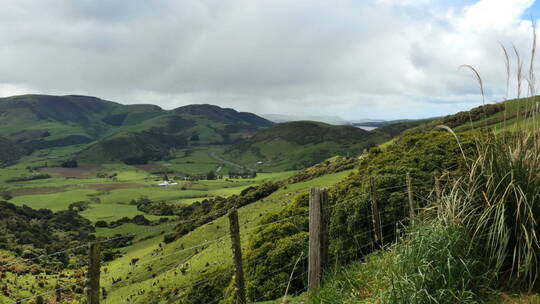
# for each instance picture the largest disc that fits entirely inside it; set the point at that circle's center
(412, 207)
(318, 237)
(375, 214)
(94, 265)
(237, 257)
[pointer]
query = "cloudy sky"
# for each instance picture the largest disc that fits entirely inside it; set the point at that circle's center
(383, 59)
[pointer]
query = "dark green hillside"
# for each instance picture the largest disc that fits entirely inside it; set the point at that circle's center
(55, 115)
(310, 132)
(31, 233)
(75, 109)
(42, 121)
(295, 145)
(132, 148)
(142, 132)
(128, 115)
(392, 130)
(9, 152)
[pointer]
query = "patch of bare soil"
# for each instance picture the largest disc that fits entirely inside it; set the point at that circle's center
(37, 190)
(152, 168)
(82, 171)
(110, 187)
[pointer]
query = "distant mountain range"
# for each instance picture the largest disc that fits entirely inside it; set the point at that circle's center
(93, 130)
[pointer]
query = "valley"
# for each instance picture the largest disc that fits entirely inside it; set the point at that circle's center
(157, 197)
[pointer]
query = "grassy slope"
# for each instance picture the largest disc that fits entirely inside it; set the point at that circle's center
(364, 281)
(216, 254)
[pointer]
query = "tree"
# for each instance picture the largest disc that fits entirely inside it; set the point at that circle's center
(211, 175)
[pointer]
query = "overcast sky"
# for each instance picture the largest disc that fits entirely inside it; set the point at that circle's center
(383, 59)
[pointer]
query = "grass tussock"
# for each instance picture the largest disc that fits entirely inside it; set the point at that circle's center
(436, 265)
(498, 203)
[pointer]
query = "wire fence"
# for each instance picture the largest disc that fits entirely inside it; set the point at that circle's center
(393, 227)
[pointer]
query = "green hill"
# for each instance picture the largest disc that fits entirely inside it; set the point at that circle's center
(499, 116)
(226, 116)
(299, 144)
(110, 131)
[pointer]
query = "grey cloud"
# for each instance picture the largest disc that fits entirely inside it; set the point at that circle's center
(351, 57)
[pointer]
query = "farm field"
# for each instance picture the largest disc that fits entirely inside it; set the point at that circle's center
(110, 194)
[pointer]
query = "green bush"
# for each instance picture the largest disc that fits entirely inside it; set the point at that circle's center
(273, 251)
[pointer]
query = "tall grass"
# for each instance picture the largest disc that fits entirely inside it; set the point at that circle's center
(437, 265)
(498, 202)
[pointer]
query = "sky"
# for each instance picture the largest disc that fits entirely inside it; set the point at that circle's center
(379, 59)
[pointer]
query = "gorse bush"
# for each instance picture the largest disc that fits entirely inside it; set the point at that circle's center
(274, 249)
(498, 202)
(436, 265)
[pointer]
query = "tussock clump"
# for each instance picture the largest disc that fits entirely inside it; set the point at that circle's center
(436, 265)
(498, 202)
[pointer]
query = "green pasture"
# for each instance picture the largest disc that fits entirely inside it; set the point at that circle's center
(211, 256)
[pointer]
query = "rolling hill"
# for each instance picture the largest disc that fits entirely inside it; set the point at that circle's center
(104, 131)
(100, 131)
(299, 144)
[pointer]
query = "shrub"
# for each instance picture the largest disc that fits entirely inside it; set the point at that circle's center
(273, 251)
(169, 238)
(101, 224)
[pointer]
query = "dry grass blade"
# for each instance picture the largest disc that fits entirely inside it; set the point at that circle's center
(481, 85)
(507, 65)
(455, 136)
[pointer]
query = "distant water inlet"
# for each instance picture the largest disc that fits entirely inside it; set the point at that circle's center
(367, 128)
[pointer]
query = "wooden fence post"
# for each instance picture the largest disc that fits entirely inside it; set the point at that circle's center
(237, 257)
(375, 214)
(318, 237)
(94, 265)
(412, 207)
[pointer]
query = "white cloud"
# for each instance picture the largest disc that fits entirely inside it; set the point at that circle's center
(378, 58)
